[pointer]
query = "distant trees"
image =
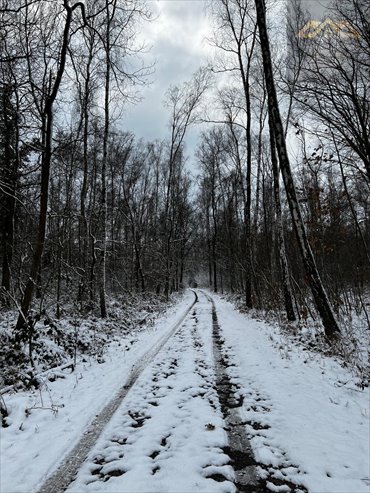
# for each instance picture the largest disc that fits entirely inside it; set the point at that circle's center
(297, 230)
(183, 103)
(88, 210)
(93, 208)
(210, 155)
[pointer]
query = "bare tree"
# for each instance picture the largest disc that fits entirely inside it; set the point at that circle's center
(284, 269)
(313, 277)
(332, 80)
(54, 85)
(183, 102)
(236, 37)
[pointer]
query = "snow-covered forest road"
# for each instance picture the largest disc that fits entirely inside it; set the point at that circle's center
(209, 400)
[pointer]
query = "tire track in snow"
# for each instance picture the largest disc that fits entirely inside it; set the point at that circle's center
(146, 448)
(239, 449)
(61, 478)
(228, 463)
(252, 476)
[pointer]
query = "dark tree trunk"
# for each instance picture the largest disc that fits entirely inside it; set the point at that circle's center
(45, 174)
(312, 274)
(284, 269)
(10, 176)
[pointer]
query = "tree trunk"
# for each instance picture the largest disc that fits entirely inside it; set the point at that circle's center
(10, 178)
(284, 269)
(312, 274)
(45, 175)
(83, 194)
(103, 251)
(245, 73)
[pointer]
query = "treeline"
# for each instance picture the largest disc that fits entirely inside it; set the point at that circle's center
(282, 209)
(301, 108)
(86, 208)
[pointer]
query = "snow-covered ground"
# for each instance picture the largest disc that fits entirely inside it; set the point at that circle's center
(307, 421)
(313, 414)
(45, 424)
(168, 434)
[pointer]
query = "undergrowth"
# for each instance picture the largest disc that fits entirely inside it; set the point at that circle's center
(46, 342)
(351, 349)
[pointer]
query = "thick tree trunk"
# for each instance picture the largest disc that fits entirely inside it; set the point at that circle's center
(10, 165)
(8, 240)
(215, 234)
(248, 203)
(312, 274)
(39, 248)
(45, 175)
(83, 194)
(284, 269)
(244, 52)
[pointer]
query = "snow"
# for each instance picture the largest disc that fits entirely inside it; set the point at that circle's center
(61, 411)
(170, 425)
(319, 423)
(307, 422)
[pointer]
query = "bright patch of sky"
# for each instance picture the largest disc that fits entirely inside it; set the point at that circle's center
(177, 36)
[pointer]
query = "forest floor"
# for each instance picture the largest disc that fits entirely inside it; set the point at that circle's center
(208, 399)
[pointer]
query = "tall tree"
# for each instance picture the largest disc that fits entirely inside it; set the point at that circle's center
(313, 277)
(284, 268)
(47, 111)
(183, 102)
(237, 38)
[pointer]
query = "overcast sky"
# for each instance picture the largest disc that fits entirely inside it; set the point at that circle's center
(177, 36)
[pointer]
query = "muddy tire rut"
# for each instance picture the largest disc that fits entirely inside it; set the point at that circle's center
(251, 476)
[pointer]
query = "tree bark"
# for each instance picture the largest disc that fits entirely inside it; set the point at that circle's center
(10, 177)
(103, 251)
(319, 294)
(45, 173)
(284, 269)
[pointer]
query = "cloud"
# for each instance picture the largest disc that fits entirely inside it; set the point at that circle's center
(177, 37)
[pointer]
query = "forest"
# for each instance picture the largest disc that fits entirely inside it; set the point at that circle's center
(275, 213)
